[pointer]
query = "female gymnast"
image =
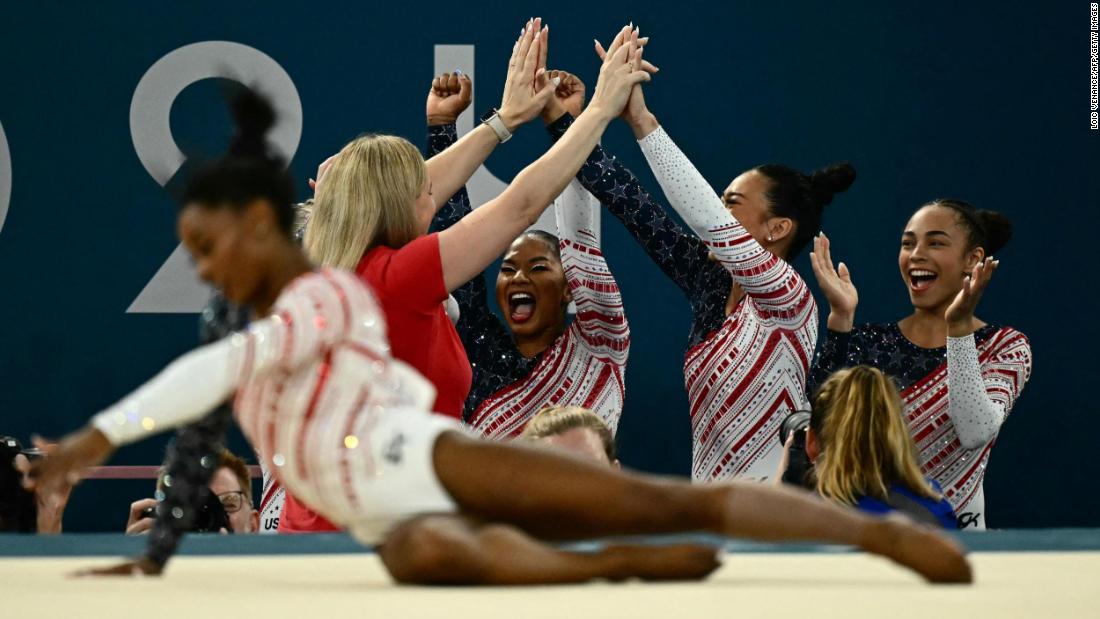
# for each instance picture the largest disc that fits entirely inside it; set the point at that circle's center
(862, 453)
(533, 360)
(754, 320)
(344, 423)
(959, 376)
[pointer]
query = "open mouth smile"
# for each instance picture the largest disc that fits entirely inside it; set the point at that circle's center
(921, 279)
(521, 306)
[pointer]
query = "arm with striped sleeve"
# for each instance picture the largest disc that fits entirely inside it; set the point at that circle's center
(680, 255)
(600, 317)
(302, 324)
(767, 278)
(980, 394)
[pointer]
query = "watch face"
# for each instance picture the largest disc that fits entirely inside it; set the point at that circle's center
(487, 115)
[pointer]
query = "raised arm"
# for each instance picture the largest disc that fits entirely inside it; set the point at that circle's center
(451, 168)
(768, 279)
(478, 327)
(470, 245)
(600, 317)
(679, 254)
(981, 392)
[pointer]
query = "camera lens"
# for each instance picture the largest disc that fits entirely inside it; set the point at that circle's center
(794, 422)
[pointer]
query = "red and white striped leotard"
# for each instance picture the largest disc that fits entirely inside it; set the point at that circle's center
(343, 425)
(745, 377)
(955, 434)
(585, 365)
(955, 397)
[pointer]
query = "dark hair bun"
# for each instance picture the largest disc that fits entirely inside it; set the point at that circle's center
(831, 180)
(997, 228)
(253, 117)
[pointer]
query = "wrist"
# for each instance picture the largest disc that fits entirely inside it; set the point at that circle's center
(551, 114)
(643, 124)
(595, 110)
(959, 328)
(511, 119)
(440, 119)
(841, 322)
(48, 521)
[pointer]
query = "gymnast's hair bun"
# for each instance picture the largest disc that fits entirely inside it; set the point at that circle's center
(831, 180)
(253, 117)
(997, 228)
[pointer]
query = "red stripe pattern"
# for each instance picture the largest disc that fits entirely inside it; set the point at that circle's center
(585, 366)
(316, 380)
(1005, 361)
(745, 377)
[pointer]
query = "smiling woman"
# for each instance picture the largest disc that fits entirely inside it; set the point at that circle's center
(536, 358)
(959, 376)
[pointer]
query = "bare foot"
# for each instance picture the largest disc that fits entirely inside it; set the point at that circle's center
(676, 562)
(929, 552)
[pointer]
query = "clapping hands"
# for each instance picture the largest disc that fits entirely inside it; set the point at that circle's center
(837, 285)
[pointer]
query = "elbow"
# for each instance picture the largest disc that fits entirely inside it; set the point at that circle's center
(976, 438)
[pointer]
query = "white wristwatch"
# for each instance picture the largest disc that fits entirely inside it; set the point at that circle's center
(492, 118)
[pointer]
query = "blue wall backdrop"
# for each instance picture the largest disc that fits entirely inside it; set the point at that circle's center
(988, 102)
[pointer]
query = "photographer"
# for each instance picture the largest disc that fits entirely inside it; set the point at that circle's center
(854, 448)
(228, 508)
(24, 511)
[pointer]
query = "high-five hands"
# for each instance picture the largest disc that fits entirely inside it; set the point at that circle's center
(622, 69)
(527, 88)
(636, 114)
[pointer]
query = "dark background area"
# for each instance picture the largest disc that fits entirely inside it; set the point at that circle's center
(987, 102)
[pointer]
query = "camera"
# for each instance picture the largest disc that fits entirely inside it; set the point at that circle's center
(799, 467)
(211, 517)
(18, 508)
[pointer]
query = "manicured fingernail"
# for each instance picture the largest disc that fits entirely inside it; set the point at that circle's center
(557, 81)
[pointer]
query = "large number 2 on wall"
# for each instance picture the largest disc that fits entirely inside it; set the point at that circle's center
(175, 288)
(5, 177)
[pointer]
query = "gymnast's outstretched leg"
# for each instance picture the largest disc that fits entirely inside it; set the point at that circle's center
(458, 550)
(553, 496)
